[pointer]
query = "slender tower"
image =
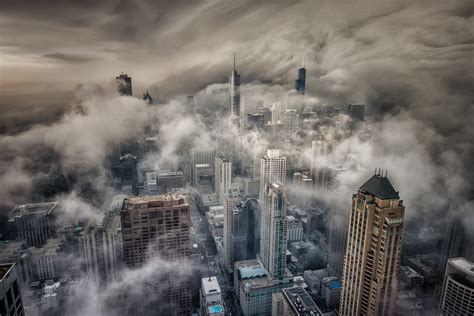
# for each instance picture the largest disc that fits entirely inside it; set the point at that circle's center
(234, 80)
(373, 249)
(300, 83)
(272, 169)
(274, 230)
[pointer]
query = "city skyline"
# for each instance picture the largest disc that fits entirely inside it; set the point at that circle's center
(238, 148)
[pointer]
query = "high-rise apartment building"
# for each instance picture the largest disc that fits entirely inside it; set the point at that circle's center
(100, 244)
(272, 170)
(372, 256)
(274, 230)
(33, 223)
(222, 176)
(290, 119)
(10, 297)
(457, 297)
(124, 84)
(159, 226)
(234, 81)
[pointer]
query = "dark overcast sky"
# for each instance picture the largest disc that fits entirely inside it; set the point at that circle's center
(388, 54)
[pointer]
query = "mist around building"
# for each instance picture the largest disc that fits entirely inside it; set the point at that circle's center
(273, 203)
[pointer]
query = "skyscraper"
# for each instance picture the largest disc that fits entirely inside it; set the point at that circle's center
(272, 169)
(124, 84)
(101, 244)
(300, 83)
(222, 176)
(33, 223)
(159, 226)
(234, 81)
(372, 257)
(274, 230)
(231, 197)
(457, 297)
(201, 156)
(147, 97)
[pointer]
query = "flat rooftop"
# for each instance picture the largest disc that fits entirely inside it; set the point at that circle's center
(301, 301)
(463, 265)
(170, 197)
(210, 285)
(33, 209)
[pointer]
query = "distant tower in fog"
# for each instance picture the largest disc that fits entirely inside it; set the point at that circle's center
(300, 83)
(147, 97)
(124, 84)
(234, 81)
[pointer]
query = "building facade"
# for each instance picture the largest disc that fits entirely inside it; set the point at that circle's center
(274, 230)
(372, 258)
(11, 302)
(457, 297)
(124, 84)
(222, 176)
(272, 169)
(33, 223)
(159, 226)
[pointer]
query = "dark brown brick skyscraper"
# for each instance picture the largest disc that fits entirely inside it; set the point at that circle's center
(158, 226)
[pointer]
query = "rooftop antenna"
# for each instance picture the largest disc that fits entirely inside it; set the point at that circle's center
(234, 61)
(302, 63)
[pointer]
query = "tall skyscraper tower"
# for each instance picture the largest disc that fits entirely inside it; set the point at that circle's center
(300, 83)
(222, 176)
(234, 80)
(457, 297)
(274, 230)
(232, 196)
(11, 302)
(124, 84)
(159, 226)
(272, 169)
(372, 256)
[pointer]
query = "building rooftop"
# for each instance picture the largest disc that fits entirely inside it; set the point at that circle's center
(33, 209)
(171, 197)
(210, 285)
(4, 269)
(379, 186)
(301, 301)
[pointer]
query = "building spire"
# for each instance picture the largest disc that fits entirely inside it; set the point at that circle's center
(302, 63)
(234, 61)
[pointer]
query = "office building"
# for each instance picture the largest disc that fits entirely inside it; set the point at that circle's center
(295, 229)
(124, 84)
(211, 302)
(272, 169)
(15, 252)
(11, 303)
(294, 301)
(314, 278)
(372, 257)
(290, 120)
(331, 291)
(457, 297)
(300, 83)
(232, 196)
(101, 244)
(274, 230)
(169, 181)
(254, 287)
(33, 223)
(222, 176)
(204, 177)
(234, 82)
(46, 262)
(159, 226)
(201, 156)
